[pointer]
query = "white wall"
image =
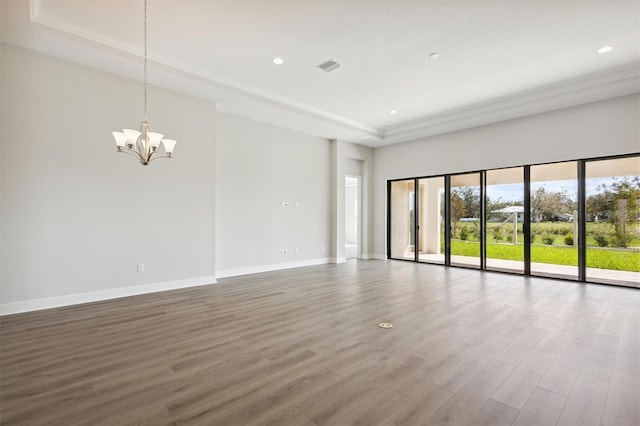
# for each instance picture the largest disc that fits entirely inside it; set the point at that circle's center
(76, 217)
(598, 129)
(343, 155)
(259, 167)
(351, 211)
(352, 202)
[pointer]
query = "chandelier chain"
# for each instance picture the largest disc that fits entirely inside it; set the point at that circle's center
(144, 143)
(145, 60)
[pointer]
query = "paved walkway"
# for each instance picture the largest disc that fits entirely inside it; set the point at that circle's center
(593, 274)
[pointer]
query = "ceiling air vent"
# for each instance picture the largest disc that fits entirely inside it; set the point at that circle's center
(329, 65)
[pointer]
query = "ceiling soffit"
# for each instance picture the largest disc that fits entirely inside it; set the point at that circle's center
(235, 97)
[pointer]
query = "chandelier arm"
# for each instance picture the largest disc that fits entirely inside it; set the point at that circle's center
(133, 153)
(128, 151)
(157, 158)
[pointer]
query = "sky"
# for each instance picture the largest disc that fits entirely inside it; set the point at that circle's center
(514, 192)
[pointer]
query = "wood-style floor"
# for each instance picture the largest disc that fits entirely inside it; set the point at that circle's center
(303, 347)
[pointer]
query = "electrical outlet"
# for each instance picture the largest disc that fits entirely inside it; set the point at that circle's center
(285, 251)
(295, 250)
(323, 247)
(140, 267)
(285, 204)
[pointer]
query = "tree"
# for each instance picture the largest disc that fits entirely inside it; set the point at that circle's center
(546, 205)
(458, 210)
(625, 189)
(598, 207)
(618, 202)
(470, 196)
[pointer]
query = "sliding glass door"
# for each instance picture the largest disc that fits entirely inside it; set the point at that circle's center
(613, 220)
(504, 236)
(464, 207)
(554, 220)
(431, 220)
(576, 220)
(403, 235)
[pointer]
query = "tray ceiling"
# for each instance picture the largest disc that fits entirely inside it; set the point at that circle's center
(497, 59)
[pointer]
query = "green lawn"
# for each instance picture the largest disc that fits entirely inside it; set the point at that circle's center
(615, 259)
(556, 230)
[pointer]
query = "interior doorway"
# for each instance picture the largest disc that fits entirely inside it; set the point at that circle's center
(353, 216)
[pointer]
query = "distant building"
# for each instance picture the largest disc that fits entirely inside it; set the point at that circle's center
(506, 213)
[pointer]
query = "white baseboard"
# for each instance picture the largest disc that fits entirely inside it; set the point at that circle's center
(268, 268)
(95, 296)
(115, 293)
(372, 256)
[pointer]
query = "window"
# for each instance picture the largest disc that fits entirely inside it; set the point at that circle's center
(577, 220)
(431, 220)
(464, 202)
(504, 200)
(554, 220)
(613, 220)
(403, 233)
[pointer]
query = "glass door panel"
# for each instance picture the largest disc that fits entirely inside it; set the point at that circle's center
(465, 219)
(613, 221)
(505, 217)
(430, 219)
(402, 220)
(554, 220)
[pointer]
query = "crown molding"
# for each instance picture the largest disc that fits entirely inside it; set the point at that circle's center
(234, 97)
(585, 89)
(200, 76)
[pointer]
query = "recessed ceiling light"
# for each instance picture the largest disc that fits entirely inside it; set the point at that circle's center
(434, 56)
(393, 111)
(605, 49)
(278, 61)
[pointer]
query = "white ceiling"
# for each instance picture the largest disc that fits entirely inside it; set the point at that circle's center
(499, 59)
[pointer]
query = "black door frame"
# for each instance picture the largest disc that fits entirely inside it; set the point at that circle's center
(582, 216)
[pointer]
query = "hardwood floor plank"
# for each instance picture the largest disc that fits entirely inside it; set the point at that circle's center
(621, 407)
(464, 405)
(605, 342)
(556, 337)
(586, 401)
(242, 411)
(329, 410)
(564, 369)
(457, 375)
(517, 389)
(418, 409)
(520, 347)
(599, 363)
(538, 361)
(542, 408)
(374, 408)
(302, 347)
(494, 413)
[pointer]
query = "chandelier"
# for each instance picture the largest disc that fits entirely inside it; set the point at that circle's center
(144, 143)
